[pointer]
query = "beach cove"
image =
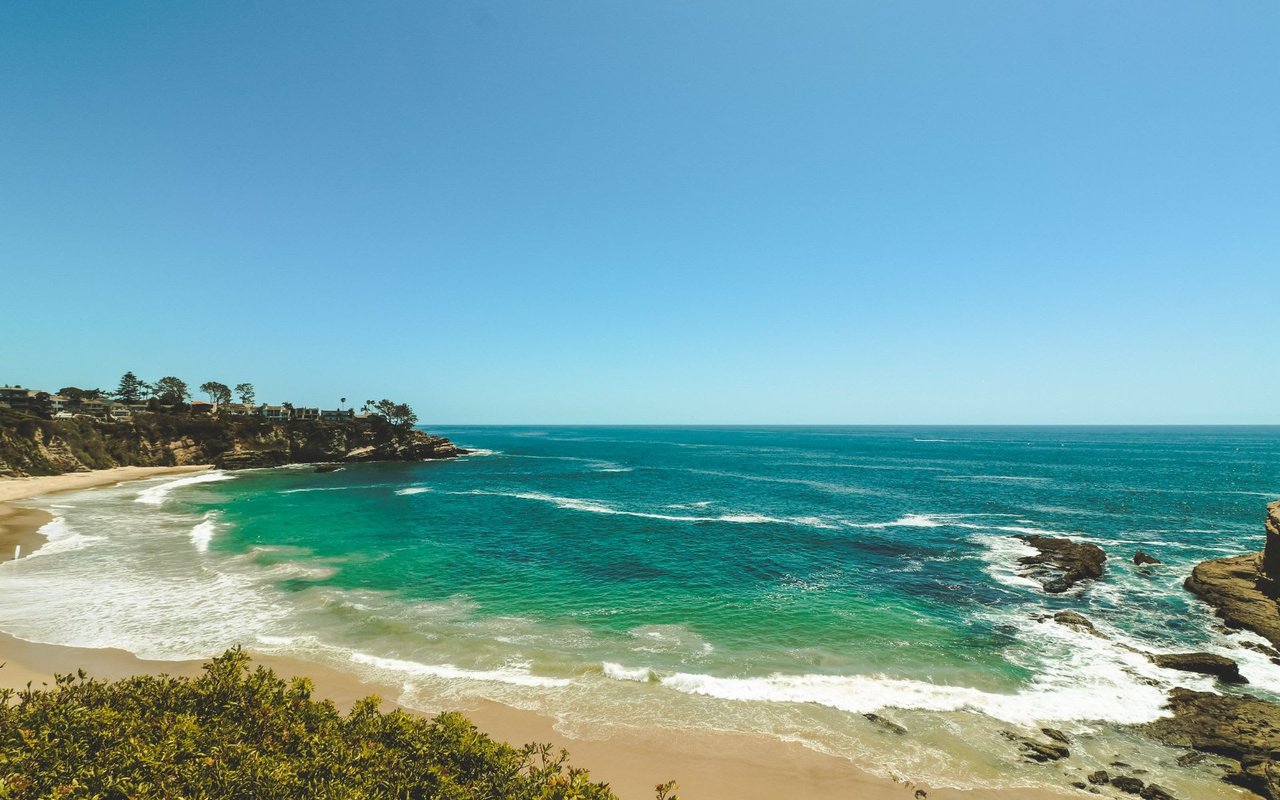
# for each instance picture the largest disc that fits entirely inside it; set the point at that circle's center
(634, 690)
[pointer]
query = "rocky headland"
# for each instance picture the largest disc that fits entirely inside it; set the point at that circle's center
(1245, 590)
(1243, 731)
(33, 446)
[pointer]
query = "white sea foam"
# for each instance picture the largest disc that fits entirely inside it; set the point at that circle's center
(907, 521)
(1077, 677)
(413, 490)
(155, 495)
(203, 532)
(670, 639)
(620, 673)
(516, 673)
(331, 488)
(479, 452)
(1003, 553)
(61, 538)
(1026, 478)
(861, 694)
(599, 507)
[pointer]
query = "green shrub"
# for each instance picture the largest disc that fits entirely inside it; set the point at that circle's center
(236, 732)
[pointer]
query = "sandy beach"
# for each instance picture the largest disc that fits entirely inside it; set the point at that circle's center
(19, 526)
(706, 766)
(21, 488)
(633, 761)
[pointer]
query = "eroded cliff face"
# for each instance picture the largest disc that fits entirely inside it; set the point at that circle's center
(306, 442)
(1271, 553)
(31, 446)
(1245, 590)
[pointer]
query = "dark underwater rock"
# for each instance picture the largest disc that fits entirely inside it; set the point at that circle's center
(1039, 752)
(887, 724)
(1076, 561)
(1218, 666)
(1127, 784)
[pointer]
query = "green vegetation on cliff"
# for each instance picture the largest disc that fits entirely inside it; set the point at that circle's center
(241, 732)
(31, 445)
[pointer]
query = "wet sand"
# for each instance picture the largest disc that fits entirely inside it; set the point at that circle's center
(19, 526)
(20, 530)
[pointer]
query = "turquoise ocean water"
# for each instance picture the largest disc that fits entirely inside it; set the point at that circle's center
(783, 581)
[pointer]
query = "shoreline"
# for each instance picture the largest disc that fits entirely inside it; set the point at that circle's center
(706, 765)
(20, 525)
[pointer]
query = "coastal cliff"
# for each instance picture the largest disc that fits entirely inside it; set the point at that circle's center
(33, 446)
(1245, 590)
(1242, 729)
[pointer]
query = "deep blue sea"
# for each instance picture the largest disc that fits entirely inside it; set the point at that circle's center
(782, 581)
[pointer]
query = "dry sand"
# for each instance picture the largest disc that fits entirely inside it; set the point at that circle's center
(22, 488)
(707, 766)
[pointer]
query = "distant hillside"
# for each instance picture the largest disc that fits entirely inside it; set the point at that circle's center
(30, 445)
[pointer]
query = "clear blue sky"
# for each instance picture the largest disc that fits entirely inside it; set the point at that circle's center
(582, 211)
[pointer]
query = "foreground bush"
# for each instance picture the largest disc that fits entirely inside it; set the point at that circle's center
(240, 733)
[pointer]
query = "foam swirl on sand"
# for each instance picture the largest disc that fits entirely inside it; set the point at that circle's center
(156, 495)
(517, 673)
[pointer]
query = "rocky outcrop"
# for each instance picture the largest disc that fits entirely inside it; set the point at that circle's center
(1141, 558)
(1220, 667)
(1072, 562)
(1241, 594)
(1244, 729)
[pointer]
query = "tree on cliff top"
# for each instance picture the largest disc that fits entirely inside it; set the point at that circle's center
(218, 393)
(245, 390)
(398, 414)
(172, 391)
(131, 389)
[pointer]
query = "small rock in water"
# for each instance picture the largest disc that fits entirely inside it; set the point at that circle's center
(1155, 792)
(1099, 778)
(1218, 666)
(1141, 558)
(1259, 647)
(887, 724)
(1039, 752)
(1188, 759)
(1077, 561)
(1077, 621)
(1126, 784)
(1056, 735)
